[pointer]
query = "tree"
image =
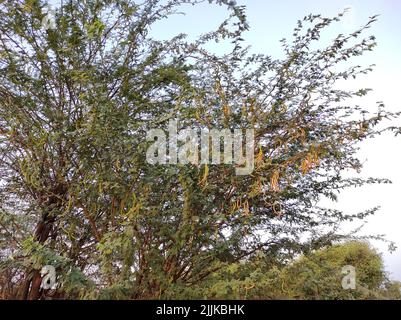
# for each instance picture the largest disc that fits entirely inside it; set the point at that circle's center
(317, 275)
(76, 102)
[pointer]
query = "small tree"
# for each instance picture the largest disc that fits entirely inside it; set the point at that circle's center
(317, 275)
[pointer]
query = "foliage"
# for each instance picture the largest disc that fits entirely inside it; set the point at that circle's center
(76, 103)
(316, 275)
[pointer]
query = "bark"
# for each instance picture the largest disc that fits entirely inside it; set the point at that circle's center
(31, 286)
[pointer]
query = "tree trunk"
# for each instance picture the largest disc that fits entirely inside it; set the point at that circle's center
(31, 285)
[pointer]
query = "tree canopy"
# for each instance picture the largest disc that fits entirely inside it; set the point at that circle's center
(76, 102)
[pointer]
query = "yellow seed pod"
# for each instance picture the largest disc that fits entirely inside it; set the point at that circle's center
(259, 157)
(203, 181)
(226, 110)
(238, 204)
(304, 166)
(274, 181)
(246, 208)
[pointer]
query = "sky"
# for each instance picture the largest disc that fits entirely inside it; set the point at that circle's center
(271, 21)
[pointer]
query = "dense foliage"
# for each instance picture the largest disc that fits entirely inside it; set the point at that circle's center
(76, 191)
(315, 275)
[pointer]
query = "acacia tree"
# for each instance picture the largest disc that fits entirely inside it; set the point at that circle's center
(76, 190)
